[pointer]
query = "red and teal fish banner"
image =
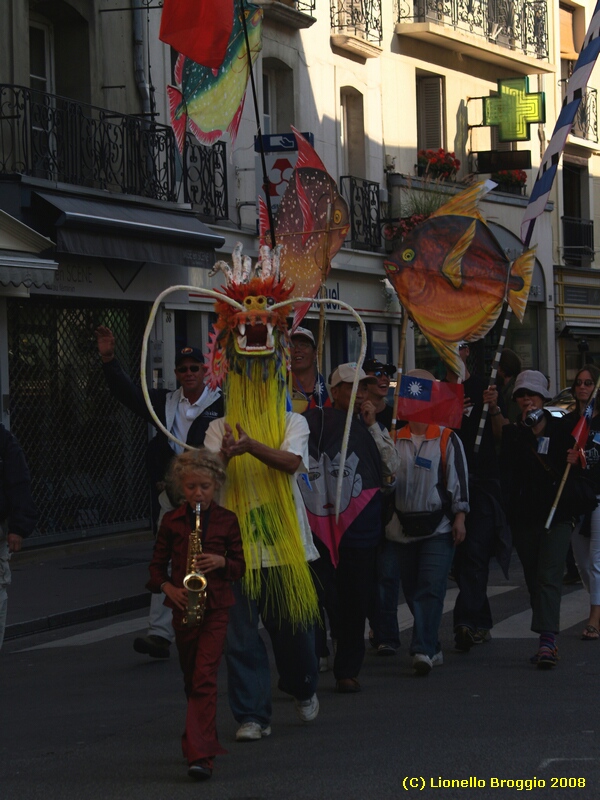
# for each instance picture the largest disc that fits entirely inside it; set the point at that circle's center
(452, 276)
(576, 89)
(198, 29)
(432, 402)
(311, 224)
(210, 101)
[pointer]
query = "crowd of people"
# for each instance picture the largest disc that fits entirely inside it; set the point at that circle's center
(413, 506)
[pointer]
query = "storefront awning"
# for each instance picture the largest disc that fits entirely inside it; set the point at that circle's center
(25, 269)
(129, 232)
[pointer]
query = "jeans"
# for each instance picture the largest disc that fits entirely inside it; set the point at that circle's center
(160, 618)
(542, 554)
(385, 622)
(587, 555)
(424, 568)
(248, 674)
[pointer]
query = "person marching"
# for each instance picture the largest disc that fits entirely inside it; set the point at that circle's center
(202, 541)
(586, 534)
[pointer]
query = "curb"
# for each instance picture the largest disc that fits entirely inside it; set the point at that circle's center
(109, 609)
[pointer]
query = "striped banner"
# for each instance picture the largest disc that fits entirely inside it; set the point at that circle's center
(575, 91)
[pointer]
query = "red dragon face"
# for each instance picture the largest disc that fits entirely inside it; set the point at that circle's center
(254, 330)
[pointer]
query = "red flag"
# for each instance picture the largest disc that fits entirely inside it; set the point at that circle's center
(433, 402)
(199, 29)
(581, 430)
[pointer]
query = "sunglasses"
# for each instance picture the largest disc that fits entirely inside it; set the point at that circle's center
(586, 382)
(186, 367)
(378, 373)
(525, 393)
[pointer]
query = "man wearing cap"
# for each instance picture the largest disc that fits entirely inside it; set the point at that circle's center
(186, 413)
(533, 461)
(378, 391)
(308, 386)
(348, 545)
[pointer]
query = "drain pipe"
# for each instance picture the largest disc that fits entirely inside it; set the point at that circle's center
(138, 57)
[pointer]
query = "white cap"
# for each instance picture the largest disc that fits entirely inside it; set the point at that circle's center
(345, 374)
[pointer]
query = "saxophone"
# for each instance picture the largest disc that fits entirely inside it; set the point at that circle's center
(195, 582)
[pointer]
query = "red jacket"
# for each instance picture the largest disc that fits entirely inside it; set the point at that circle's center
(222, 537)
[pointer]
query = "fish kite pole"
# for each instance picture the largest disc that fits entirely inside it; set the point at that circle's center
(323, 289)
(266, 181)
(401, 349)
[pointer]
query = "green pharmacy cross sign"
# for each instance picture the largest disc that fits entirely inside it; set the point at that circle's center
(513, 110)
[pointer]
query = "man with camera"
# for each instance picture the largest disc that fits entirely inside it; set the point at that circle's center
(533, 461)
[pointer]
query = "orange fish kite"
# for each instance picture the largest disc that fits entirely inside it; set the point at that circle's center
(311, 224)
(452, 276)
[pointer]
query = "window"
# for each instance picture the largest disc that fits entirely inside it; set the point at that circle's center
(277, 96)
(430, 112)
(353, 132)
(40, 57)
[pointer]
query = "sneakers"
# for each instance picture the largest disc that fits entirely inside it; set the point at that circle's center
(151, 645)
(546, 657)
(386, 650)
(307, 710)
(200, 770)
(464, 638)
(482, 635)
(422, 664)
(252, 731)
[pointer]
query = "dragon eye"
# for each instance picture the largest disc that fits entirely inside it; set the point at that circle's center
(337, 216)
(408, 255)
(270, 301)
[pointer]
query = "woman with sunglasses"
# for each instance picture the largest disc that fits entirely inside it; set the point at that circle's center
(586, 534)
(533, 460)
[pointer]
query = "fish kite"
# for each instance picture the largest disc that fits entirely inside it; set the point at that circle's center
(452, 276)
(311, 224)
(212, 100)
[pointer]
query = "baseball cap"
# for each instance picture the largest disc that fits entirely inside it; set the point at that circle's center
(373, 365)
(533, 381)
(305, 333)
(188, 352)
(345, 374)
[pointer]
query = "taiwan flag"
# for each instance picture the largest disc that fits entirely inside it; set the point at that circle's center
(582, 429)
(199, 29)
(433, 402)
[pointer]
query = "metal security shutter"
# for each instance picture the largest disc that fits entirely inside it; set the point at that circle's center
(430, 113)
(85, 451)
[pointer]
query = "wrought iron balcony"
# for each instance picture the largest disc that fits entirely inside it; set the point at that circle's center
(578, 241)
(586, 119)
(363, 201)
(61, 140)
(518, 25)
(361, 18)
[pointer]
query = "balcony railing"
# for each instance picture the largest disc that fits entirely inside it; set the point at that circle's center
(57, 139)
(519, 25)
(360, 18)
(586, 119)
(578, 241)
(363, 201)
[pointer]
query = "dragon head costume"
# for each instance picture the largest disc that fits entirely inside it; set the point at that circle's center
(248, 356)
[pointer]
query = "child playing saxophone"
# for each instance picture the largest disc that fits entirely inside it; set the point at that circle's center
(196, 476)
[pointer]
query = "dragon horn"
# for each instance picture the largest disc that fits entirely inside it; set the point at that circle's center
(265, 261)
(246, 269)
(223, 267)
(277, 261)
(236, 257)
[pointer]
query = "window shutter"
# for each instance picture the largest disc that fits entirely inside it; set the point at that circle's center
(430, 113)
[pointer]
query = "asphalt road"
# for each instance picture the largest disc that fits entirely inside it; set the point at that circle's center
(83, 716)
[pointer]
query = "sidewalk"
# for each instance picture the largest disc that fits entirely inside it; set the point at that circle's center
(66, 584)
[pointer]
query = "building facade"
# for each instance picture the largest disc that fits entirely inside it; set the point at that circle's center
(107, 213)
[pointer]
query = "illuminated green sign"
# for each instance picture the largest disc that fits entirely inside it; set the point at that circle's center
(513, 110)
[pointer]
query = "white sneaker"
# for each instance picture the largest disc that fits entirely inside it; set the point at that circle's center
(308, 709)
(251, 731)
(422, 664)
(438, 659)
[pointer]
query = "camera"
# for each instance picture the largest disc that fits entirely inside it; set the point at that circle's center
(531, 418)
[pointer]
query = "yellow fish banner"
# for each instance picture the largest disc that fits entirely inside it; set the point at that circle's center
(453, 277)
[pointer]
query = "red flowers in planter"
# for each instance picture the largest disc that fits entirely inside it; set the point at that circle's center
(437, 163)
(510, 177)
